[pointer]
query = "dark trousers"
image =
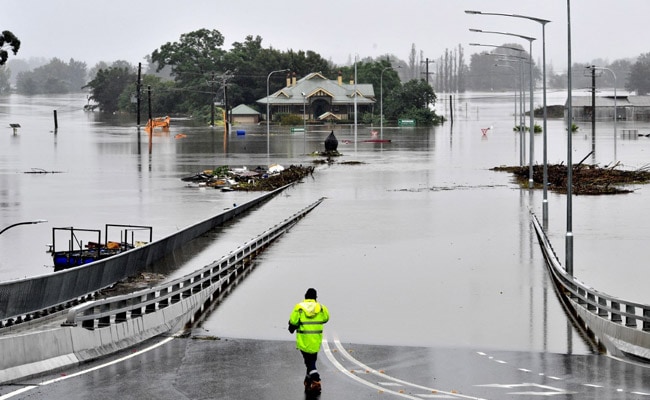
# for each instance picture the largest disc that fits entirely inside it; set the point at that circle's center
(310, 363)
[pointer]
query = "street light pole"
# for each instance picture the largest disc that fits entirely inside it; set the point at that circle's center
(381, 102)
(268, 140)
(615, 105)
(304, 123)
(568, 257)
(532, 105)
(522, 137)
(38, 221)
(542, 22)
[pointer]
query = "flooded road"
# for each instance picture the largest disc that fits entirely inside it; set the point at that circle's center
(417, 243)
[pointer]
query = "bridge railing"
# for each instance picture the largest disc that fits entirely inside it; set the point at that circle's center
(27, 299)
(214, 278)
(620, 318)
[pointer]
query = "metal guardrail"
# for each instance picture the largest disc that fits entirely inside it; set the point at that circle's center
(215, 278)
(24, 300)
(628, 320)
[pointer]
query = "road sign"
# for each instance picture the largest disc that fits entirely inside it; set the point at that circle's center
(405, 122)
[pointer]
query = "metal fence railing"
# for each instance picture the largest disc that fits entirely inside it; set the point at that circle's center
(623, 326)
(30, 298)
(214, 278)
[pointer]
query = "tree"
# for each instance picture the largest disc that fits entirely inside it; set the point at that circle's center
(5, 75)
(411, 101)
(639, 78)
(194, 59)
(53, 78)
(8, 41)
(108, 85)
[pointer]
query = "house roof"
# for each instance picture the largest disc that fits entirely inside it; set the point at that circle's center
(608, 101)
(243, 109)
(316, 85)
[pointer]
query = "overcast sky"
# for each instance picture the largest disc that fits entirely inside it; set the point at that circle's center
(108, 30)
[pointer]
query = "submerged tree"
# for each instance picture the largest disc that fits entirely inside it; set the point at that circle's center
(8, 40)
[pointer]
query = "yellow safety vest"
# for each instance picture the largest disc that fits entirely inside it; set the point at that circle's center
(309, 316)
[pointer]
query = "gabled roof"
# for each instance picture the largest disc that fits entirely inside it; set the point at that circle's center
(243, 109)
(316, 85)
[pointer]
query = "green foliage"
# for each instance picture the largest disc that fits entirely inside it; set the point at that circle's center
(8, 40)
(639, 78)
(5, 74)
(411, 101)
(108, 86)
(290, 119)
(537, 129)
(54, 77)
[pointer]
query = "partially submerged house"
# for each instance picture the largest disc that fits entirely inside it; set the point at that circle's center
(245, 115)
(320, 99)
(628, 107)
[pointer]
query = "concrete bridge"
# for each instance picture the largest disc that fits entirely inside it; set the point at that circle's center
(92, 328)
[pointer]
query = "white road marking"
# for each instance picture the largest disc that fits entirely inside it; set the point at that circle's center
(432, 392)
(62, 378)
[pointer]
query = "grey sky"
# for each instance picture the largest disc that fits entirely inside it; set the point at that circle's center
(108, 30)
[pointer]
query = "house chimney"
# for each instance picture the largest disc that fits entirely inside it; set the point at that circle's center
(288, 80)
(293, 80)
(351, 80)
(340, 78)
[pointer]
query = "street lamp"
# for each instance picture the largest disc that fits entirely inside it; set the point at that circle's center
(304, 123)
(38, 221)
(381, 101)
(268, 140)
(522, 137)
(532, 113)
(515, 71)
(615, 106)
(542, 22)
(568, 243)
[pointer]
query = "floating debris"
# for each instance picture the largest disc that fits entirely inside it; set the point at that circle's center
(586, 179)
(258, 179)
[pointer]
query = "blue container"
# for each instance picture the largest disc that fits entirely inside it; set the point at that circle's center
(241, 133)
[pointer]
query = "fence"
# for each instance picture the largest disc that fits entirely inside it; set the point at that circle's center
(26, 299)
(622, 327)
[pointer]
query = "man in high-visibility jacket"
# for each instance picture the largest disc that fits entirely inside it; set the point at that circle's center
(307, 319)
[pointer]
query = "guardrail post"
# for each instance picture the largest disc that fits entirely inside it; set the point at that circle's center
(616, 317)
(646, 323)
(630, 321)
(581, 295)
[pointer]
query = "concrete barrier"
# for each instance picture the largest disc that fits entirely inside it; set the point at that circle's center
(102, 327)
(611, 322)
(26, 299)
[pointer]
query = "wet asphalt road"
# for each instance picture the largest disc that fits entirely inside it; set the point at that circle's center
(217, 368)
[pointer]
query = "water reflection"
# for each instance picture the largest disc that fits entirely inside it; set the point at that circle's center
(418, 243)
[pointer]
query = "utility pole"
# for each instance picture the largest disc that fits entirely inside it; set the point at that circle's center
(427, 62)
(211, 82)
(138, 88)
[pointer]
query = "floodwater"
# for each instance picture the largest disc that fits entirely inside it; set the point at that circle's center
(419, 243)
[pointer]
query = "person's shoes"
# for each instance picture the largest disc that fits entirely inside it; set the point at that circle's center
(315, 387)
(307, 384)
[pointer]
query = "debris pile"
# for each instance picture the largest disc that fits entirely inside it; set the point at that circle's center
(258, 179)
(586, 179)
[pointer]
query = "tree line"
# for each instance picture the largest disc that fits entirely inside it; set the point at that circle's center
(188, 75)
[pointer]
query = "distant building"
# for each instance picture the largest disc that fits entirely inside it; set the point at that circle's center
(628, 107)
(243, 114)
(324, 99)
